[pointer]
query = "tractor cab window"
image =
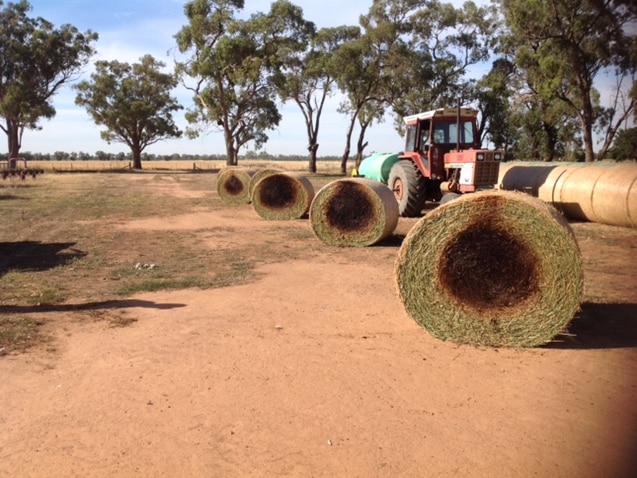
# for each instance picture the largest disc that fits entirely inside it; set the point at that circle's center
(410, 138)
(445, 132)
(424, 136)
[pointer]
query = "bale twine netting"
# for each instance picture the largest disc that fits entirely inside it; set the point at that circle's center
(354, 212)
(233, 185)
(495, 268)
(282, 196)
(258, 175)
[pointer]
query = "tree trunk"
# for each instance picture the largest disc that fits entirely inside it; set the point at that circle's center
(137, 156)
(348, 140)
(587, 128)
(551, 141)
(361, 145)
(313, 148)
(13, 137)
(231, 152)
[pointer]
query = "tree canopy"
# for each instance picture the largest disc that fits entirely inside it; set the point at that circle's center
(36, 60)
(133, 102)
(232, 62)
(563, 45)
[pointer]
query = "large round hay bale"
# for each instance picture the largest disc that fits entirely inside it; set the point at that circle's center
(524, 178)
(614, 198)
(353, 212)
(550, 191)
(258, 175)
(282, 196)
(233, 184)
(576, 193)
(495, 268)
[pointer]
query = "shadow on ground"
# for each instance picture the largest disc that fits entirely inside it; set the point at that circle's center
(36, 256)
(105, 304)
(601, 326)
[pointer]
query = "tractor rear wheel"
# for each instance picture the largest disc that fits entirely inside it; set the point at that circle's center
(409, 186)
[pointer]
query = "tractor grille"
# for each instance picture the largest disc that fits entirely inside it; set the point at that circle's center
(486, 173)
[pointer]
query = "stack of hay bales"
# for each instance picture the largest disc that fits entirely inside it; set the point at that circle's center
(233, 184)
(494, 268)
(353, 212)
(598, 192)
(281, 195)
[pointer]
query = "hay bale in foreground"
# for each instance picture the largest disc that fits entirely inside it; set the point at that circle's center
(494, 268)
(353, 212)
(259, 175)
(233, 185)
(282, 196)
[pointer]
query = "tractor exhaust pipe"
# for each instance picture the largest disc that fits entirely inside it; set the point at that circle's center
(458, 126)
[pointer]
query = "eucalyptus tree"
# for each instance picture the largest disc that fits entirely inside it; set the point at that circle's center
(563, 46)
(445, 41)
(232, 63)
(36, 60)
(309, 78)
(133, 102)
(369, 68)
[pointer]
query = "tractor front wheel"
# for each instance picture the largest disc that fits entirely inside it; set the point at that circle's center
(409, 187)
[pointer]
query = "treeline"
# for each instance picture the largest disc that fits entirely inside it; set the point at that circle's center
(103, 156)
(538, 97)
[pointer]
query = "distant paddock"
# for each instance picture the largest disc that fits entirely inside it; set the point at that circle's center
(324, 167)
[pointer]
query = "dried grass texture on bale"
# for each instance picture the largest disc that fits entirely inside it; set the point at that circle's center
(353, 212)
(494, 268)
(258, 175)
(282, 196)
(233, 185)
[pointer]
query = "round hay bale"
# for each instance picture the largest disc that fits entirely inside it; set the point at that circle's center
(259, 175)
(495, 268)
(282, 196)
(576, 193)
(614, 200)
(353, 212)
(550, 191)
(524, 178)
(233, 185)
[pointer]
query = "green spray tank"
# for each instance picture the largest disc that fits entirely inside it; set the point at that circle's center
(377, 166)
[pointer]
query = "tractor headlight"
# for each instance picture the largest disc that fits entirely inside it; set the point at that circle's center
(497, 156)
(480, 156)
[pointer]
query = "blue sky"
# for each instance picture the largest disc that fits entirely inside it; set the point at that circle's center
(129, 29)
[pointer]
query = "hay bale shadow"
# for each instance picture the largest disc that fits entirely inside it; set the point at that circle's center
(600, 326)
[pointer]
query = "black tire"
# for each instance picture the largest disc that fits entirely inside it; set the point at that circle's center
(409, 186)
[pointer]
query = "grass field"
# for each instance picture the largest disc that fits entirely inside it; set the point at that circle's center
(329, 167)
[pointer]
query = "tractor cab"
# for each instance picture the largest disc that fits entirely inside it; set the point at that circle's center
(432, 134)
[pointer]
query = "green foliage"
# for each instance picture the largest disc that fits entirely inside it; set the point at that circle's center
(562, 46)
(133, 102)
(36, 60)
(625, 146)
(233, 63)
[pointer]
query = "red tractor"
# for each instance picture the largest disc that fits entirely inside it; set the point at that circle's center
(442, 156)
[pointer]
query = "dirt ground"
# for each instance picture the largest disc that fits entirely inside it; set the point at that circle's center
(315, 370)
